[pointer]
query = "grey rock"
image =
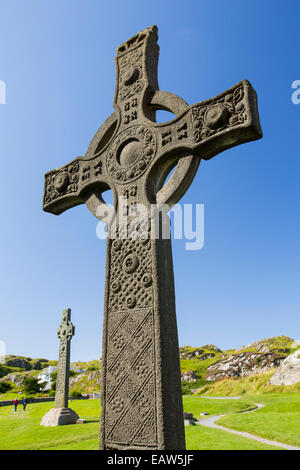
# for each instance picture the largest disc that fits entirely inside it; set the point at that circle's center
(16, 378)
(213, 347)
(278, 344)
(289, 371)
(203, 353)
(87, 376)
(18, 362)
(243, 365)
(189, 376)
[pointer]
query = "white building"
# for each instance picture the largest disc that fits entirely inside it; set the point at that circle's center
(45, 376)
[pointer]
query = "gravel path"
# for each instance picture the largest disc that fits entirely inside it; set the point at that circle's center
(211, 423)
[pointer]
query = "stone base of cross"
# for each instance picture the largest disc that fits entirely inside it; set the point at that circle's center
(59, 417)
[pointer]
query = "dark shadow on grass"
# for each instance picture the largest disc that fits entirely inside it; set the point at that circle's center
(92, 421)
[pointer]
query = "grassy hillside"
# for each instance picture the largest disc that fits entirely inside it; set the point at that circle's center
(195, 363)
(254, 385)
(21, 363)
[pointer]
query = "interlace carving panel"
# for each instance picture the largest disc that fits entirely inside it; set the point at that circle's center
(130, 413)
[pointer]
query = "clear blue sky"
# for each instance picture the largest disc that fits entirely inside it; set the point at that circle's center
(57, 60)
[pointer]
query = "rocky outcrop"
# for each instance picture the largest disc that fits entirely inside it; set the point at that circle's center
(189, 376)
(38, 365)
(243, 365)
(212, 347)
(26, 363)
(205, 352)
(18, 362)
(278, 344)
(87, 382)
(15, 378)
(289, 371)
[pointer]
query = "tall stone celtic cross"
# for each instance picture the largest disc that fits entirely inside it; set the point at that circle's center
(65, 333)
(132, 155)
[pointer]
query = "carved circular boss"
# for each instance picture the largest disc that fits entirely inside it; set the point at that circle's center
(131, 153)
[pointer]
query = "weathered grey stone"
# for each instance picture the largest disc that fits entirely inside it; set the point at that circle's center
(289, 371)
(17, 378)
(205, 352)
(61, 414)
(88, 380)
(65, 333)
(243, 365)
(132, 155)
(59, 417)
(189, 419)
(189, 376)
(278, 344)
(19, 362)
(213, 347)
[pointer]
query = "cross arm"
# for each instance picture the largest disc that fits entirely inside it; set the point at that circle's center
(212, 126)
(67, 186)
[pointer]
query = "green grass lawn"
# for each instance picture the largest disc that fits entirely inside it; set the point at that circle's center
(279, 420)
(201, 438)
(11, 395)
(22, 430)
(197, 404)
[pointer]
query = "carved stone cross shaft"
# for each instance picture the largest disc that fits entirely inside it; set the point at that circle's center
(65, 333)
(132, 155)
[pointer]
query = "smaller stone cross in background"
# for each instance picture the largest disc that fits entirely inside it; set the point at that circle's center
(61, 414)
(65, 333)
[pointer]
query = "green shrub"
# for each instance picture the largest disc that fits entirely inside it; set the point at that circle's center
(5, 387)
(75, 394)
(33, 386)
(4, 370)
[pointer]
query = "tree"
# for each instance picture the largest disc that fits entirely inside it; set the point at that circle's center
(31, 385)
